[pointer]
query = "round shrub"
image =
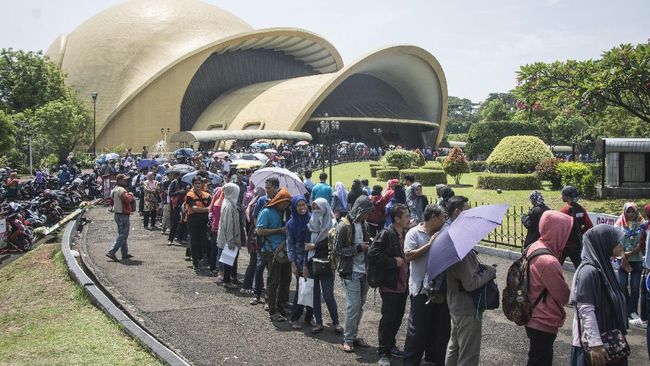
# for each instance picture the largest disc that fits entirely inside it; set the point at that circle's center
(402, 159)
(426, 177)
(477, 166)
(386, 174)
(455, 164)
(513, 182)
(547, 170)
(374, 169)
(518, 154)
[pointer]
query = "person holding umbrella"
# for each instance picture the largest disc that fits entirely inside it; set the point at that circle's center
(469, 274)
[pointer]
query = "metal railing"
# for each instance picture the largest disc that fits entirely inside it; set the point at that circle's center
(511, 233)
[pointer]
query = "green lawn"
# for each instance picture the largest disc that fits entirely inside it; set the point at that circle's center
(46, 319)
(347, 172)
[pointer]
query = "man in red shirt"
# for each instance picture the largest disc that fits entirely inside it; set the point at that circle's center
(581, 223)
(122, 207)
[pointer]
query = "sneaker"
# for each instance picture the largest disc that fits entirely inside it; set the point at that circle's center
(396, 352)
(277, 317)
(634, 316)
(638, 323)
(255, 301)
(170, 243)
(113, 257)
(128, 256)
(384, 361)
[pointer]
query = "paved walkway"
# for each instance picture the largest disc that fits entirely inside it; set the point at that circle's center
(209, 326)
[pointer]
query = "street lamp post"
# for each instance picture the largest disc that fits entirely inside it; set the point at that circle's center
(329, 128)
(94, 96)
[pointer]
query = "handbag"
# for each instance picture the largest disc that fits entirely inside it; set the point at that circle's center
(486, 297)
(320, 267)
(280, 254)
(613, 340)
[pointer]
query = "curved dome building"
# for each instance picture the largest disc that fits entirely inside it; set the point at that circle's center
(184, 65)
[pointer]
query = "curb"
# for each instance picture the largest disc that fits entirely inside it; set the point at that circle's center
(512, 255)
(105, 304)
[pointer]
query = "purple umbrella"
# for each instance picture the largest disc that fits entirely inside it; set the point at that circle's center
(470, 227)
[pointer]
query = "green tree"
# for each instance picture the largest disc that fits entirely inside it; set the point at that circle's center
(455, 164)
(461, 114)
(36, 103)
(620, 78)
(28, 80)
(7, 132)
(495, 110)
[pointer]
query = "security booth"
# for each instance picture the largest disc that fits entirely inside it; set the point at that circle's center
(626, 167)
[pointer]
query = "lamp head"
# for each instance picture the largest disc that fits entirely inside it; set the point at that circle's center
(94, 95)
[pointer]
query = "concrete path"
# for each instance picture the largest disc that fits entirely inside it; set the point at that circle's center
(209, 326)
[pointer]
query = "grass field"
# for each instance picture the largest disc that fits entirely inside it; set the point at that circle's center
(46, 319)
(347, 172)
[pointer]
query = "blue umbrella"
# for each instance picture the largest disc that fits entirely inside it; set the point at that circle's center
(106, 157)
(184, 152)
(464, 233)
(214, 178)
(146, 163)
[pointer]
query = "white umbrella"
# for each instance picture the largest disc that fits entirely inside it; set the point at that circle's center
(271, 151)
(302, 143)
(287, 178)
(261, 157)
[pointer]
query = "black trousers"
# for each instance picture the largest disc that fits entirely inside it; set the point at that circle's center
(141, 202)
(149, 215)
(429, 328)
(277, 283)
(198, 240)
(174, 222)
(392, 312)
(230, 272)
(541, 347)
(572, 253)
(250, 271)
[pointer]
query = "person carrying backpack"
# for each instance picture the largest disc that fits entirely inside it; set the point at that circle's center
(547, 287)
(388, 270)
(581, 223)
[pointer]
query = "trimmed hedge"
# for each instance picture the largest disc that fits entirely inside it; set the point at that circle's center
(375, 163)
(513, 182)
(518, 154)
(402, 159)
(426, 177)
(477, 166)
(374, 169)
(386, 174)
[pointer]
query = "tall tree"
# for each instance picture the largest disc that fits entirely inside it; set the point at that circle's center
(621, 78)
(461, 114)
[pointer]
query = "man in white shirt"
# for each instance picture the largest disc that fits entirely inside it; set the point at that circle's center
(429, 323)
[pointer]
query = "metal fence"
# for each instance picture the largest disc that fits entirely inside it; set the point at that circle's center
(512, 233)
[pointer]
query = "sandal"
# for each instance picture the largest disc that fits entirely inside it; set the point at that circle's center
(347, 347)
(316, 329)
(360, 342)
(255, 301)
(338, 329)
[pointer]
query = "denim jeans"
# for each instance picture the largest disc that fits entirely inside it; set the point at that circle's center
(123, 228)
(631, 291)
(259, 275)
(356, 291)
(325, 283)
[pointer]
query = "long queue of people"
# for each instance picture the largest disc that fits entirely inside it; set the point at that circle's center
(380, 237)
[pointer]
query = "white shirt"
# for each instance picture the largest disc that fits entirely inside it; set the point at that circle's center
(415, 238)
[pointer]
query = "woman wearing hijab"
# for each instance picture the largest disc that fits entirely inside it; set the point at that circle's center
(252, 245)
(631, 224)
(596, 296)
(355, 192)
(322, 220)
(398, 197)
(416, 201)
(151, 191)
(229, 230)
(215, 210)
(377, 217)
(297, 236)
(547, 283)
(531, 220)
(340, 200)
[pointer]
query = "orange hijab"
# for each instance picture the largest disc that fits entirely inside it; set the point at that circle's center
(283, 195)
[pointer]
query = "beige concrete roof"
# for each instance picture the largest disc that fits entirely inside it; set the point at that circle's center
(123, 49)
(288, 104)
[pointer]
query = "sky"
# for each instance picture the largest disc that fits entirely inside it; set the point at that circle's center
(480, 44)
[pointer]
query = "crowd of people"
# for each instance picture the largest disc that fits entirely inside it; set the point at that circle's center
(380, 237)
